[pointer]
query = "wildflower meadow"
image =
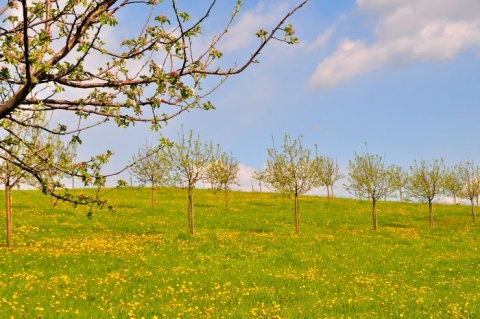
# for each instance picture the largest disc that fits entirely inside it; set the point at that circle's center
(244, 262)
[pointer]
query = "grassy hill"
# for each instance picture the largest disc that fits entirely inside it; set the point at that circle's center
(247, 262)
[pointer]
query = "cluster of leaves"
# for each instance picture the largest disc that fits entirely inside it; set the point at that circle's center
(294, 170)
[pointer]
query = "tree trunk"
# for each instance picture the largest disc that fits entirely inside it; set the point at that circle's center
(191, 225)
(153, 195)
(297, 215)
(8, 204)
(430, 208)
(401, 195)
(474, 214)
(226, 197)
(328, 193)
(374, 214)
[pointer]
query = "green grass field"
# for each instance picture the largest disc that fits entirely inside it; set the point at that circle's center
(247, 262)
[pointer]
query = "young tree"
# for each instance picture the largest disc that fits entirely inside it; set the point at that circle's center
(398, 180)
(150, 166)
(331, 174)
(223, 171)
(275, 176)
(258, 176)
(469, 174)
(188, 159)
(452, 182)
(292, 170)
(10, 176)
(63, 57)
(368, 177)
(425, 182)
(54, 151)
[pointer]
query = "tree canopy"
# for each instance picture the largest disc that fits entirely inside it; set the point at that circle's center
(222, 171)
(368, 177)
(150, 166)
(425, 182)
(292, 169)
(188, 159)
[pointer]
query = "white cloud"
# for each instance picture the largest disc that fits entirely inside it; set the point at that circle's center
(322, 39)
(406, 31)
(351, 58)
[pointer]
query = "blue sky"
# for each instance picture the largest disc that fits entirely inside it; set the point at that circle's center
(402, 76)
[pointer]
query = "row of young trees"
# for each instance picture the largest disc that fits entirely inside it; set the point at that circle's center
(185, 163)
(369, 177)
(290, 170)
(293, 170)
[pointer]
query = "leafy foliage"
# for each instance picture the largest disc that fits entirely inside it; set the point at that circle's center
(292, 170)
(329, 173)
(399, 179)
(425, 182)
(369, 177)
(150, 166)
(469, 174)
(452, 183)
(223, 171)
(188, 159)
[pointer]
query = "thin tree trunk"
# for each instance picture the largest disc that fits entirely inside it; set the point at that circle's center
(430, 208)
(8, 204)
(474, 214)
(328, 193)
(226, 197)
(153, 195)
(297, 215)
(190, 212)
(401, 194)
(374, 214)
